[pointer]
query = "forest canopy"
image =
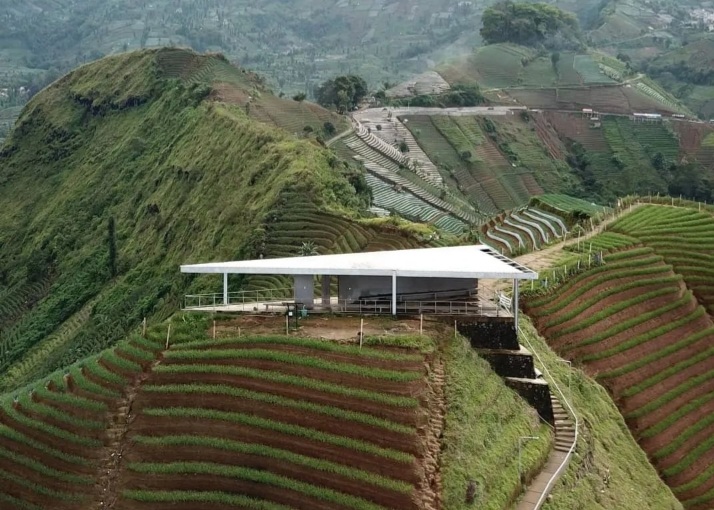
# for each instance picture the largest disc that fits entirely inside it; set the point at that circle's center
(531, 25)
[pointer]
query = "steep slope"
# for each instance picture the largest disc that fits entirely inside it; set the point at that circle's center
(641, 323)
(128, 167)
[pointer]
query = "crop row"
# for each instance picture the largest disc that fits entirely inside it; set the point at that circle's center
(277, 454)
(631, 261)
(291, 359)
(587, 304)
(319, 345)
(631, 323)
(647, 336)
(299, 381)
(280, 427)
(615, 308)
(268, 398)
(209, 497)
(256, 476)
(677, 415)
(603, 278)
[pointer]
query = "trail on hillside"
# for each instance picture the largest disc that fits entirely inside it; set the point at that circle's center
(547, 257)
(111, 462)
(429, 493)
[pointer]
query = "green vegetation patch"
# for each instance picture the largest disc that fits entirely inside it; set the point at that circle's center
(279, 455)
(280, 427)
(292, 359)
(219, 498)
(268, 398)
(484, 421)
(299, 381)
(255, 475)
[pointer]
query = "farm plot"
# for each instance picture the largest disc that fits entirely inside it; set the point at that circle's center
(637, 324)
(577, 128)
(684, 237)
(274, 422)
(56, 434)
(499, 65)
(589, 70)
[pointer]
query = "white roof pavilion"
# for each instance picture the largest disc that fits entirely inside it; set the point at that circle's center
(477, 262)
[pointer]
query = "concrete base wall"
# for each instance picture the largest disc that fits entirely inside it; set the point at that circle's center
(537, 394)
(353, 287)
(489, 332)
(509, 363)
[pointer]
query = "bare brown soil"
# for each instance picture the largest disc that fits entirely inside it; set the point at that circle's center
(365, 361)
(604, 304)
(399, 415)
(160, 426)
(619, 338)
(318, 422)
(664, 411)
(379, 495)
(644, 397)
(411, 388)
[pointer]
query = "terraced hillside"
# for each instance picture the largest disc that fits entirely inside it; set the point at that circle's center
(641, 323)
(261, 422)
(130, 166)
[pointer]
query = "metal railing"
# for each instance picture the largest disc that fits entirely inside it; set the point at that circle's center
(242, 297)
(566, 460)
(414, 307)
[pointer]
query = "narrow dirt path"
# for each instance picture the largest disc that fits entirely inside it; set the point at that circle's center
(111, 462)
(429, 493)
(547, 257)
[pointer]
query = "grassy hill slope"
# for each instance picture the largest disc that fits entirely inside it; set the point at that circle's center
(641, 323)
(128, 167)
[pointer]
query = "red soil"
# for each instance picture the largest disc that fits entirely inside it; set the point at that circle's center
(399, 415)
(160, 426)
(352, 359)
(642, 398)
(604, 304)
(662, 412)
(255, 490)
(47, 460)
(620, 383)
(412, 388)
(379, 495)
(318, 422)
(646, 348)
(619, 338)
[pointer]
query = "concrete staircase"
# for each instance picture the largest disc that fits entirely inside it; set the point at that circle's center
(534, 498)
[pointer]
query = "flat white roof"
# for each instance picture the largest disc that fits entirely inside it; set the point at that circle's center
(479, 261)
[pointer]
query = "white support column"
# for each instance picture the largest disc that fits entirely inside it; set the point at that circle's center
(225, 289)
(394, 293)
(515, 303)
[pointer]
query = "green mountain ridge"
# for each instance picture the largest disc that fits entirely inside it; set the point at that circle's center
(181, 177)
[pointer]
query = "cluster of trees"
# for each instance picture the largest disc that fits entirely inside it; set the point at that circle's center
(343, 93)
(531, 24)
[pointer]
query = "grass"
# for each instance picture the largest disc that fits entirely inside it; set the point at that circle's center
(71, 400)
(280, 427)
(59, 415)
(606, 448)
(334, 412)
(292, 359)
(483, 423)
(278, 455)
(304, 382)
(254, 475)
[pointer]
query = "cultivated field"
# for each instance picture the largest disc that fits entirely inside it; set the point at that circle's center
(641, 324)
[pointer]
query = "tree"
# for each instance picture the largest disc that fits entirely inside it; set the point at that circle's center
(342, 93)
(531, 25)
(329, 128)
(299, 97)
(403, 147)
(554, 59)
